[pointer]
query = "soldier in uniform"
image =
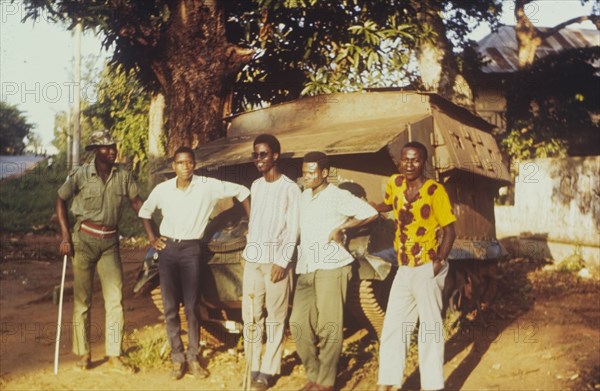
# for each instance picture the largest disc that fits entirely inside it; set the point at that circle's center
(100, 191)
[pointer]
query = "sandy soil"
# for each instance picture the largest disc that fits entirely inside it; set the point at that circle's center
(542, 334)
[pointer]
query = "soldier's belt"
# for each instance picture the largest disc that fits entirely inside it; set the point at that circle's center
(98, 231)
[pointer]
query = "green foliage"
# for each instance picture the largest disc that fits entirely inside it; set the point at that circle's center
(320, 47)
(302, 47)
(525, 144)
(553, 107)
(13, 129)
(309, 48)
(27, 202)
(122, 107)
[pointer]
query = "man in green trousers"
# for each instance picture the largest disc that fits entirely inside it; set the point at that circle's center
(100, 190)
(324, 269)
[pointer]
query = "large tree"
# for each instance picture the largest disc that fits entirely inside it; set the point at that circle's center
(193, 50)
(179, 46)
(14, 127)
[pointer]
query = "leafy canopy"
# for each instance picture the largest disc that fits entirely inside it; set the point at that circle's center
(13, 129)
(302, 47)
(309, 47)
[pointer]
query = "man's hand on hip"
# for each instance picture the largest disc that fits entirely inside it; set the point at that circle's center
(277, 273)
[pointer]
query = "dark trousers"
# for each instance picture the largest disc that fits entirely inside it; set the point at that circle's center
(179, 270)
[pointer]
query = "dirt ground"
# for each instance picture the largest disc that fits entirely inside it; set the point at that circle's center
(543, 333)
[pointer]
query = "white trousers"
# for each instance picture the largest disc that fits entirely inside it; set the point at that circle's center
(271, 301)
(415, 294)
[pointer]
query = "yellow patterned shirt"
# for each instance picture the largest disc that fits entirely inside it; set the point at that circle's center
(417, 220)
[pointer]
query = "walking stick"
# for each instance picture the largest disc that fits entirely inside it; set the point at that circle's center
(248, 373)
(60, 303)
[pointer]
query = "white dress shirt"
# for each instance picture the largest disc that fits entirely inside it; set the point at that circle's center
(319, 215)
(186, 211)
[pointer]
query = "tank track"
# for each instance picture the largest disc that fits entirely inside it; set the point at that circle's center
(365, 304)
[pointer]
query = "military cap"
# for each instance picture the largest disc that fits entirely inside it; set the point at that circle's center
(100, 138)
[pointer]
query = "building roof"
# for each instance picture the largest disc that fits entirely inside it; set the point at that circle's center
(499, 49)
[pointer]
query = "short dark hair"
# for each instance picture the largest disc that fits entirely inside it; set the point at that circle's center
(270, 140)
(418, 146)
(318, 157)
(185, 150)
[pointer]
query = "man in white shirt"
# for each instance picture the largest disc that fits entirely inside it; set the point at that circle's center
(271, 241)
(324, 269)
(186, 203)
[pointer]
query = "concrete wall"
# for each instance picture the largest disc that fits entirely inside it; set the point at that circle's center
(557, 209)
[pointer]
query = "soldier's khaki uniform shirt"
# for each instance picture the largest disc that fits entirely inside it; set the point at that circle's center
(95, 201)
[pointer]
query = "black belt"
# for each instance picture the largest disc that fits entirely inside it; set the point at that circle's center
(180, 240)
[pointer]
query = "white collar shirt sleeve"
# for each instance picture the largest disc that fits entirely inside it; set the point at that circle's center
(186, 211)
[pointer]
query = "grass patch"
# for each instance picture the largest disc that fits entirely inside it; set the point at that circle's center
(148, 347)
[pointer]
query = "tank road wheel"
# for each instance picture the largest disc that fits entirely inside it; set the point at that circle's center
(209, 332)
(366, 304)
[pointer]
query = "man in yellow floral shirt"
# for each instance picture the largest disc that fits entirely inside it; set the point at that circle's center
(421, 207)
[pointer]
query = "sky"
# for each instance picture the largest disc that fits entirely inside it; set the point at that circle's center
(36, 58)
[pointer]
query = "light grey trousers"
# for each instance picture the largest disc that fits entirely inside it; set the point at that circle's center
(271, 302)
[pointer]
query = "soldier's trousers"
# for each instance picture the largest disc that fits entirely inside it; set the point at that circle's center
(93, 254)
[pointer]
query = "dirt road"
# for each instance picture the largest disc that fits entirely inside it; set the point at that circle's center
(543, 334)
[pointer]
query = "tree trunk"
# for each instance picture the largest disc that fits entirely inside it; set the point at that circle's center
(437, 63)
(156, 150)
(155, 126)
(194, 66)
(528, 37)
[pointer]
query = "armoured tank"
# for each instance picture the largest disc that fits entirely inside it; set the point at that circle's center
(363, 133)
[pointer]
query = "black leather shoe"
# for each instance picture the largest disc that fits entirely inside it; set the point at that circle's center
(196, 370)
(178, 370)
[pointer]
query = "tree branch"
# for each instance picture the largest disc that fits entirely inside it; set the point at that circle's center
(593, 18)
(237, 57)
